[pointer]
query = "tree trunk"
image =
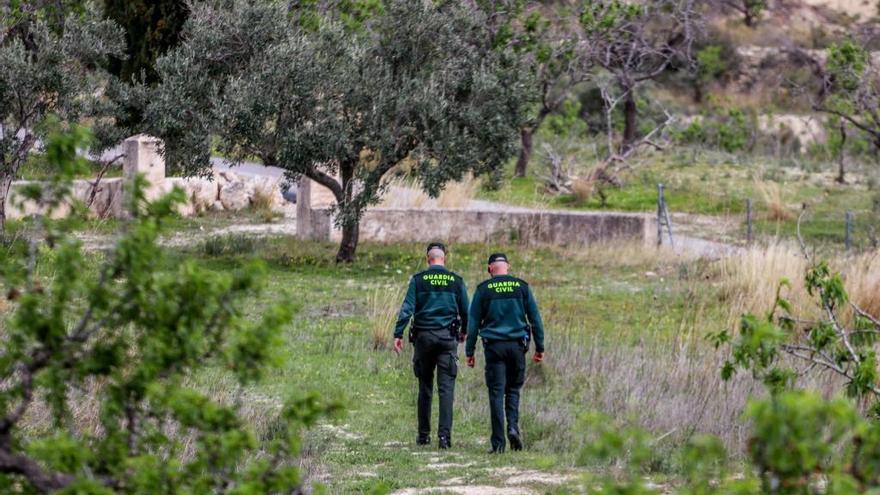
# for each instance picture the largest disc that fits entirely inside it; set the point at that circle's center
(348, 246)
(5, 187)
(525, 151)
(698, 92)
(629, 120)
(525, 135)
(841, 155)
(350, 228)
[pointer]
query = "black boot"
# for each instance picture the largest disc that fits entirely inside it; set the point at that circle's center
(515, 439)
(445, 443)
(422, 440)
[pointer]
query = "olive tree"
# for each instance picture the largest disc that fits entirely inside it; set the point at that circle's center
(100, 353)
(543, 44)
(47, 68)
(635, 43)
(341, 103)
(850, 89)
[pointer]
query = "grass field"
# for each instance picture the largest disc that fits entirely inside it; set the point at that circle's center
(719, 184)
(625, 329)
(626, 336)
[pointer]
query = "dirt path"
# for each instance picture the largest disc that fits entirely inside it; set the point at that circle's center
(285, 226)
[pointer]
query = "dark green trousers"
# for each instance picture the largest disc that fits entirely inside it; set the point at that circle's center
(505, 375)
(435, 349)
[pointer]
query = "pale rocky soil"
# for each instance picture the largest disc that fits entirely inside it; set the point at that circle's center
(283, 226)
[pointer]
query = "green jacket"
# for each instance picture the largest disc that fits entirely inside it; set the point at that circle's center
(502, 309)
(435, 298)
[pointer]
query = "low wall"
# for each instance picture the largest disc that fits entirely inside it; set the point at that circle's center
(104, 201)
(224, 190)
(483, 226)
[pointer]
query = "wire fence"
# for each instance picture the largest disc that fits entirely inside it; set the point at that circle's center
(855, 230)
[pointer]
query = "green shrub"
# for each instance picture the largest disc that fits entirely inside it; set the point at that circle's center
(118, 339)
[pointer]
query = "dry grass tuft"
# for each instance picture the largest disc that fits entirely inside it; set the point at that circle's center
(382, 308)
(751, 278)
(862, 281)
(582, 190)
(459, 194)
(405, 193)
(771, 193)
(263, 202)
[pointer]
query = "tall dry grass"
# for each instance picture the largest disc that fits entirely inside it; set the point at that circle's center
(405, 193)
(264, 202)
(862, 280)
(750, 279)
(382, 308)
(771, 194)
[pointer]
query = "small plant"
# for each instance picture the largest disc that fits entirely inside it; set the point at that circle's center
(229, 245)
(771, 194)
(264, 202)
(382, 307)
(582, 190)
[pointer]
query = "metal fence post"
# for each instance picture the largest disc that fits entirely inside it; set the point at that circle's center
(847, 235)
(749, 220)
(660, 201)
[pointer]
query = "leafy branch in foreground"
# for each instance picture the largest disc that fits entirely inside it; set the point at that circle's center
(128, 330)
(842, 342)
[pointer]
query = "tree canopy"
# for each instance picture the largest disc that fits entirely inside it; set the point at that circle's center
(341, 103)
(48, 68)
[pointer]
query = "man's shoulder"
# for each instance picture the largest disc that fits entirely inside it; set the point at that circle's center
(500, 281)
(430, 273)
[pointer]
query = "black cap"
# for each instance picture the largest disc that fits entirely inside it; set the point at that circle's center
(497, 257)
(436, 245)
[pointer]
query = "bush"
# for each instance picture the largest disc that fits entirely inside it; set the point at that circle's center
(731, 131)
(132, 330)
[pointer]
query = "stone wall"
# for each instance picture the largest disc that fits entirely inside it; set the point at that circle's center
(104, 200)
(222, 191)
(491, 226)
(514, 225)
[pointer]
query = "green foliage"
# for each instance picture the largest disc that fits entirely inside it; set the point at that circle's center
(730, 130)
(799, 444)
(151, 28)
(852, 92)
(601, 16)
(431, 95)
(710, 64)
(753, 8)
(634, 43)
(48, 69)
(132, 330)
(846, 64)
(567, 122)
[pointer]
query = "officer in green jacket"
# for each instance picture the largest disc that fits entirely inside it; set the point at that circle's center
(504, 313)
(437, 303)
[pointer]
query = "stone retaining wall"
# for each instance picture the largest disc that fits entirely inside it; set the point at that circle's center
(491, 226)
(223, 191)
(106, 202)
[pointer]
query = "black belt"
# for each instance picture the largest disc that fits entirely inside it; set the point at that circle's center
(452, 328)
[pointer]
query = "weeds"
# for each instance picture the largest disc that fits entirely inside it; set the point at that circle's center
(382, 306)
(405, 193)
(229, 245)
(264, 203)
(771, 194)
